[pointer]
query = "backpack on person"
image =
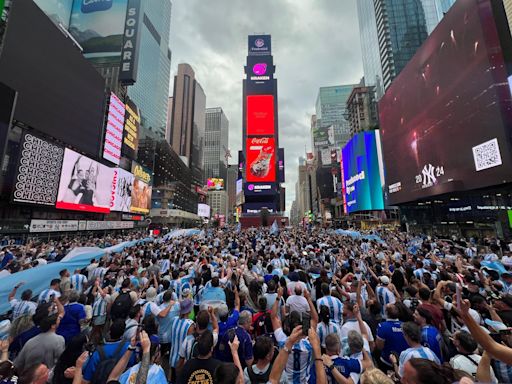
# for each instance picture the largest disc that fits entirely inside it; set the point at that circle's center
(106, 365)
(121, 307)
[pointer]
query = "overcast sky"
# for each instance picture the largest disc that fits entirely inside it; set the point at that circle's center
(314, 43)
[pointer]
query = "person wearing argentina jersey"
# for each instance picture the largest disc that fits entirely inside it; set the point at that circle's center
(300, 355)
(180, 327)
(47, 294)
(24, 306)
(99, 310)
(333, 303)
(99, 272)
(78, 281)
(412, 334)
(419, 271)
(384, 295)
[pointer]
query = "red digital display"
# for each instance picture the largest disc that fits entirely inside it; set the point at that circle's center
(261, 160)
(260, 115)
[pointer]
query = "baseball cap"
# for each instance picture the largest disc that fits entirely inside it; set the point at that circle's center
(384, 280)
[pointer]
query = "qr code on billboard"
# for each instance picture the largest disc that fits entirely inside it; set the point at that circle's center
(487, 155)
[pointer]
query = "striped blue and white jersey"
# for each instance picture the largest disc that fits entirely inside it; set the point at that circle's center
(385, 297)
(160, 297)
(335, 308)
(44, 297)
(323, 330)
(99, 306)
(98, 272)
(418, 353)
(418, 273)
(165, 323)
(22, 308)
(298, 366)
(502, 371)
(179, 330)
(164, 265)
(78, 282)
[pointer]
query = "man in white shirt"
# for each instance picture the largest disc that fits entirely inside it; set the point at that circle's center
(351, 324)
(297, 302)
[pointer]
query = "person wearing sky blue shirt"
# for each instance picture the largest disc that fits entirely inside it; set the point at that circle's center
(430, 336)
(384, 295)
(180, 328)
(412, 334)
(213, 292)
(390, 337)
(333, 303)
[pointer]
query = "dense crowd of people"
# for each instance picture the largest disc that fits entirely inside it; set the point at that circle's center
(255, 306)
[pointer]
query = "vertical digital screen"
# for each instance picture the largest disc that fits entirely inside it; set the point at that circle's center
(142, 188)
(114, 130)
(131, 130)
(85, 184)
(122, 185)
(280, 165)
(361, 173)
(261, 160)
(260, 115)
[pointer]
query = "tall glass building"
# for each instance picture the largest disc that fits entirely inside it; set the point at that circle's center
(216, 143)
(331, 109)
(151, 91)
(391, 33)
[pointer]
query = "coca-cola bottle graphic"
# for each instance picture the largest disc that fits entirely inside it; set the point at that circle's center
(261, 165)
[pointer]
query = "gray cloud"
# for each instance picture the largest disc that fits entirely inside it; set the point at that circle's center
(314, 42)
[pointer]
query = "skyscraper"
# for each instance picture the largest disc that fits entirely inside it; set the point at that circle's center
(151, 91)
(100, 29)
(216, 143)
(395, 29)
(188, 120)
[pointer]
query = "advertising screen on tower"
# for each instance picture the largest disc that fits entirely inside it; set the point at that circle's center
(361, 173)
(261, 160)
(98, 26)
(259, 45)
(260, 115)
(446, 117)
(85, 184)
(214, 183)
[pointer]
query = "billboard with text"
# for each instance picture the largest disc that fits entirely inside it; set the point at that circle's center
(260, 115)
(361, 173)
(142, 188)
(261, 160)
(445, 120)
(114, 130)
(122, 185)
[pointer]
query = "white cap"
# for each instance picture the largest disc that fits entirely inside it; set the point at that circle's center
(384, 280)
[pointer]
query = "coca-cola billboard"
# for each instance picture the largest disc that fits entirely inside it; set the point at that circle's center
(261, 160)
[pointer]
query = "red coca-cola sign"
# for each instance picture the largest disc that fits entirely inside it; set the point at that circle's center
(261, 160)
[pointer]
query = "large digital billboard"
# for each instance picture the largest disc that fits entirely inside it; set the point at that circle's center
(259, 45)
(71, 107)
(260, 115)
(131, 130)
(99, 27)
(38, 171)
(121, 194)
(114, 130)
(444, 119)
(260, 74)
(261, 160)
(85, 184)
(215, 184)
(361, 173)
(142, 188)
(257, 207)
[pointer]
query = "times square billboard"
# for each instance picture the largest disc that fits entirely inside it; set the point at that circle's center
(260, 160)
(444, 119)
(361, 173)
